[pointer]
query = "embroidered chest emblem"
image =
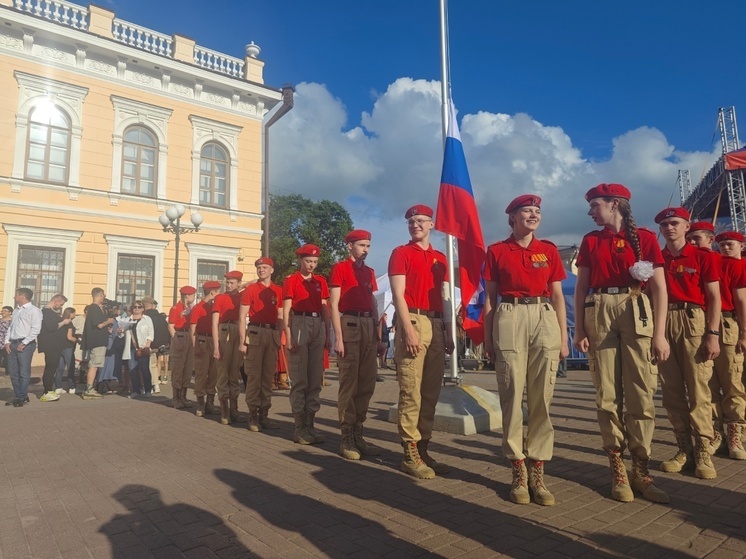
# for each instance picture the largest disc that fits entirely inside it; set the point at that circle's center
(540, 260)
(681, 270)
(274, 300)
(619, 245)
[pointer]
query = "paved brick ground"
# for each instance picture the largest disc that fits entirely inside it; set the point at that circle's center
(137, 479)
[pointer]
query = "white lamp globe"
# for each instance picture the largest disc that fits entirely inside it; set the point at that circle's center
(172, 213)
(164, 221)
(196, 219)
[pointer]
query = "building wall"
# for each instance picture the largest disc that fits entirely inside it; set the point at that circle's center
(84, 216)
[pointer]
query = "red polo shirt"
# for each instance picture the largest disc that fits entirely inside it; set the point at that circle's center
(425, 271)
(263, 302)
(227, 305)
(523, 272)
(609, 256)
(177, 318)
(687, 273)
(356, 283)
(306, 294)
(732, 277)
(201, 317)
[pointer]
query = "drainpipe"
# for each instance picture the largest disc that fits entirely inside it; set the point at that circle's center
(287, 103)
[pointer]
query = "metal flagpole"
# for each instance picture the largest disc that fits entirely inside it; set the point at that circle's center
(445, 89)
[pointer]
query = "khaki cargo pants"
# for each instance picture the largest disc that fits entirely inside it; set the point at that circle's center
(260, 363)
(726, 384)
(527, 346)
(205, 367)
(306, 362)
(230, 361)
(181, 357)
(420, 378)
(622, 370)
(357, 369)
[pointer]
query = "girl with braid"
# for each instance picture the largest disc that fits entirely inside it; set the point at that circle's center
(623, 338)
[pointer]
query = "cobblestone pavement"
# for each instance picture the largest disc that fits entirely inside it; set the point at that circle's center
(137, 479)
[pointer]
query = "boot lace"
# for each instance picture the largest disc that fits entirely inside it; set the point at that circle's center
(518, 475)
(537, 474)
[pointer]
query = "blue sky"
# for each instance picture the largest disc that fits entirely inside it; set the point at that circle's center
(553, 97)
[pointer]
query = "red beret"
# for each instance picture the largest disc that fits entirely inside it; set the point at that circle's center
(608, 190)
(264, 260)
(234, 274)
(188, 290)
(420, 209)
(308, 250)
(702, 226)
(210, 285)
(680, 212)
(730, 236)
(522, 201)
(357, 235)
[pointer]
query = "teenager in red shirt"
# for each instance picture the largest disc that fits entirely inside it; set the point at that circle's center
(525, 335)
(205, 367)
(305, 314)
(261, 304)
(226, 340)
(181, 353)
(614, 322)
(693, 330)
(354, 315)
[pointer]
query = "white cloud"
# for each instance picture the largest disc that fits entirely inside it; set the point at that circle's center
(392, 159)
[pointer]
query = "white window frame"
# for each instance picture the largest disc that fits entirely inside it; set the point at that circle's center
(127, 113)
(132, 245)
(205, 130)
(34, 91)
(43, 237)
(209, 252)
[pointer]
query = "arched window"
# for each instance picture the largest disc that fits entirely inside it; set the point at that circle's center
(139, 161)
(48, 147)
(213, 176)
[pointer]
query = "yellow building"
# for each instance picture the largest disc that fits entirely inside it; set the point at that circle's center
(105, 125)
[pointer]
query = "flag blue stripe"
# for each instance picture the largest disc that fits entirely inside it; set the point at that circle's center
(454, 169)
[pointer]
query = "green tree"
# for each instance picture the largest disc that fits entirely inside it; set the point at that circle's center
(295, 220)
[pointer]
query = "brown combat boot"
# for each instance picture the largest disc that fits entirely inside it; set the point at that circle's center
(264, 419)
(236, 416)
(620, 489)
(317, 439)
(254, 425)
(300, 435)
(347, 448)
(536, 486)
(183, 397)
(365, 448)
(437, 467)
(413, 464)
(703, 466)
(519, 488)
(210, 408)
(643, 482)
(282, 382)
(225, 412)
(735, 445)
(176, 399)
(200, 406)
(684, 457)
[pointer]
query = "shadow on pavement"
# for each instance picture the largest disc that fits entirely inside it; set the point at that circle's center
(153, 528)
(335, 532)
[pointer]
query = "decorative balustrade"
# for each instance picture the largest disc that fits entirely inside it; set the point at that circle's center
(141, 37)
(218, 62)
(59, 11)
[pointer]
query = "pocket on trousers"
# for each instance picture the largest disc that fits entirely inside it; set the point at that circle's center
(553, 366)
(694, 324)
(502, 372)
(505, 329)
(253, 336)
(593, 370)
(277, 338)
(704, 370)
(350, 330)
(736, 368)
(643, 315)
(730, 331)
(590, 308)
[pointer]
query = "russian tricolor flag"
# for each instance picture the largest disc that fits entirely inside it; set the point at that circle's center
(457, 215)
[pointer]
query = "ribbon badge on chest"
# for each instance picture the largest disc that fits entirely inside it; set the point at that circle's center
(619, 245)
(540, 261)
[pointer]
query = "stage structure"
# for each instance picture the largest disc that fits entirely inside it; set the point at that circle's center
(720, 196)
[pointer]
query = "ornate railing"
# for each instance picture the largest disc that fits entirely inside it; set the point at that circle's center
(59, 11)
(141, 37)
(218, 62)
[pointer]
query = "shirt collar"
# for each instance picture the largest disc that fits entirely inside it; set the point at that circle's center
(416, 246)
(513, 244)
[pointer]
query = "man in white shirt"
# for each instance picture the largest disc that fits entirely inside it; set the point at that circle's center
(20, 343)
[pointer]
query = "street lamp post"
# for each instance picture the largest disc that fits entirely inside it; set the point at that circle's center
(171, 223)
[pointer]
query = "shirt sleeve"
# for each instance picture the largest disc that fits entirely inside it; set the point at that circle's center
(583, 254)
(373, 282)
(397, 263)
(557, 273)
(324, 288)
(335, 276)
(489, 273)
(174, 314)
(287, 288)
(710, 269)
(649, 247)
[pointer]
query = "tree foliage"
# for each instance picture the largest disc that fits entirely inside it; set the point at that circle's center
(295, 220)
